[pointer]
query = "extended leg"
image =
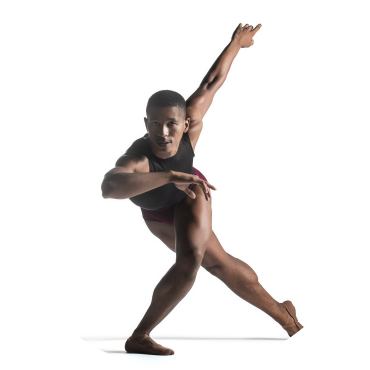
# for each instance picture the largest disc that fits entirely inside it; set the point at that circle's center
(235, 273)
(243, 281)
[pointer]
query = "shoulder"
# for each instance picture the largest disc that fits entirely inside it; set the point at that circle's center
(137, 153)
(136, 163)
(139, 147)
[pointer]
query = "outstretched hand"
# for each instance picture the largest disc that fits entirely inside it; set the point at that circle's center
(244, 35)
(183, 180)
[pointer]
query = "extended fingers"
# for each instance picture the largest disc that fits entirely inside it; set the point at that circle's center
(211, 186)
(205, 189)
(253, 30)
(205, 185)
(256, 28)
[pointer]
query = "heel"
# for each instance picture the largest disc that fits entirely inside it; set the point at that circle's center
(292, 312)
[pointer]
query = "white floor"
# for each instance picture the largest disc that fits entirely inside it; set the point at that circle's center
(189, 351)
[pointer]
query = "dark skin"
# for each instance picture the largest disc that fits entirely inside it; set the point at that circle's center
(168, 125)
(191, 237)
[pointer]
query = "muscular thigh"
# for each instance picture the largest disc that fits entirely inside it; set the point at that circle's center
(214, 255)
(193, 223)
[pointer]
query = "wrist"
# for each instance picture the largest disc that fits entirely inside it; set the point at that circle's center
(171, 176)
(235, 43)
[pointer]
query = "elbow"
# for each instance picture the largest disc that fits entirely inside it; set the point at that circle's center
(106, 189)
(206, 83)
(109, 191)
(212, 79)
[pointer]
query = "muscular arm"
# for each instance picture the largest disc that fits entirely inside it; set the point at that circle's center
(129, 178)
(199, 102)
(123, 185)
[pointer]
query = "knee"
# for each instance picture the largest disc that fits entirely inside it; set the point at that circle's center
(190, 262)
(193, 258)
(217, 264)
(215, 269)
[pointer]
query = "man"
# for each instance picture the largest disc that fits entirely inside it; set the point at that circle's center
(156, 174)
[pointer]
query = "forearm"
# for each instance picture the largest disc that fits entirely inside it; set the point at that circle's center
(125, 185)
(220, 68)
(199, 102)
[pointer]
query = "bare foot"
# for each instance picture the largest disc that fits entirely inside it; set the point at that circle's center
(292, 326)
(142, 343)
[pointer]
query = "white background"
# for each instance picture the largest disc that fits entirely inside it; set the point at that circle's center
(286, 143)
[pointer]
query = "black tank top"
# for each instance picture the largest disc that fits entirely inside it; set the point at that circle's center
(182, 161)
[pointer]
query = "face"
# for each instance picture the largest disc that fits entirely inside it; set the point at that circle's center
(165, 127)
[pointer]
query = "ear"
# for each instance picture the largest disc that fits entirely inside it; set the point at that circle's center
(146, 123)
(187, 124)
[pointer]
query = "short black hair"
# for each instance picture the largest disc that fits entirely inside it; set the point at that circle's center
(166, 98)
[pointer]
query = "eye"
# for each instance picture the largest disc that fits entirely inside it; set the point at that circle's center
(173, 123)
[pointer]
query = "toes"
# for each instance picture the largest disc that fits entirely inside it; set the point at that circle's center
(168, 351)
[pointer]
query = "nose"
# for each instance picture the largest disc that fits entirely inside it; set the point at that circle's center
(163, 132)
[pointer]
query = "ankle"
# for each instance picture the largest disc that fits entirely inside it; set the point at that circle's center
(137, 332)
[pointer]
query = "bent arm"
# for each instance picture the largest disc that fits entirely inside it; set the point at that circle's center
(123, 185)
(129, 178)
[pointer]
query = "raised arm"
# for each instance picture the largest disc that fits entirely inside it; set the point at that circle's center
(199, 102)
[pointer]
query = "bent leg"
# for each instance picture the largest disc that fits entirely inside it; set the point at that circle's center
(193, 228)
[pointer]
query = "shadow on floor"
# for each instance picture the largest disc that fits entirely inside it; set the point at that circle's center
(182, 338)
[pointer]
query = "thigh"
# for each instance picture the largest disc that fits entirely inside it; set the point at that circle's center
(193, 224)
(164, 215)
(164, 232)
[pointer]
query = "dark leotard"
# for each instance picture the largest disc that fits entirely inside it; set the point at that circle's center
(166, 214)
(182, 161)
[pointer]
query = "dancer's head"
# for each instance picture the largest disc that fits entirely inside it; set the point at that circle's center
(166, 98)
(166, 121)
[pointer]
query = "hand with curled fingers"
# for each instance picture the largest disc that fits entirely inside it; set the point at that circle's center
(183, 180)
(244, 35)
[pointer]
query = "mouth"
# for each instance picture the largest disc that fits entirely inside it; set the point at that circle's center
(163, 143)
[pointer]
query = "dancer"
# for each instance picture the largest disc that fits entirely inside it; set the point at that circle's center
(156, 173)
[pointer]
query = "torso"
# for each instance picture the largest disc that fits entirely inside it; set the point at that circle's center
(143, 165)
(182, 161)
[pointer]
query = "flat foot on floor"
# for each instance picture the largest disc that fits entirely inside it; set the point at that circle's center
(143, 344)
